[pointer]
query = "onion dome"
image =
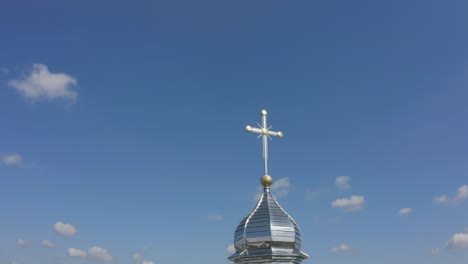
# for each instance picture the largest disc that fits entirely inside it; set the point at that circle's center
(268, 234)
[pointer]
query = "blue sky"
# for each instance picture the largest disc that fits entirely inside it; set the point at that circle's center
(122, 128)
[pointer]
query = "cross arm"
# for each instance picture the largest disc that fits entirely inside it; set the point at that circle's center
(263, 131)
(253, 129)
(275, 133)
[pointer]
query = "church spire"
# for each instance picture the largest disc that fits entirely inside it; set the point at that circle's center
(267, 235)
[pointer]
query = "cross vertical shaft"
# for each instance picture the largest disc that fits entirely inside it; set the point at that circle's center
(266, 134)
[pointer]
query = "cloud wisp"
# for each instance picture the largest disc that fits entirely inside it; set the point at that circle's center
(94, 253)
(404, 211)
(231, 249)
(40, 83)
(351, 204)
(99, 254)
(12, 159)
(65, 229)
(279, 188)
(462, 194)
(136, 256)
(342, 182)
(20, 242)
(341, 248)
(459, 240)
(77, 253)
(47, 243)
(214, 217)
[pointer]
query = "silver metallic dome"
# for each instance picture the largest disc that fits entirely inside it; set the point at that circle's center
(268, 235)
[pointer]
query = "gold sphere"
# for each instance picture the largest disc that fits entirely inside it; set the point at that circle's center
(248, 128)
(266, 181)
(280, 134)
(264, 131)
(264, 112)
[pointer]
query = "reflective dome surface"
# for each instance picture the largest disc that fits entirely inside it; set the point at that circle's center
(268, 235)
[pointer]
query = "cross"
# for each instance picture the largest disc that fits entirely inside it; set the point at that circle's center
(265, 133)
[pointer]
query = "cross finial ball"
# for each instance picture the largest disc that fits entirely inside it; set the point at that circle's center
(266, 181)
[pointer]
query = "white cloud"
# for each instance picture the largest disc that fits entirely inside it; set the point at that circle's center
(279, 188)
(99, 254)
(73, 252)
(65, 229)
(435, 252)
(12, 159)
(40, 83)
(215, 217)
(354, 203)
(148, 262)
(342, 247)
(231, 249)
(441, 199)
(462, 194)
(404, 211)
(459, 240)
(20, 242)
(47, 243)
(136, 256)
(342, 182)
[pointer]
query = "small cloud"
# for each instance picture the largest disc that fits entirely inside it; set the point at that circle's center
(340, 248)
(404, 211)
(231, 249)
(47, 243)
(215, 217)
(73, 252)
(435, 252)
(354, 203)
(342, 182)
(14, 262)
(441, 199)
(65, 229)
(136, 256)
(459, 240)
(462, 194)
(40, 83)
(20, 242)
(279, 188)
(12, 159)
(148, 262)
(99, 254)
